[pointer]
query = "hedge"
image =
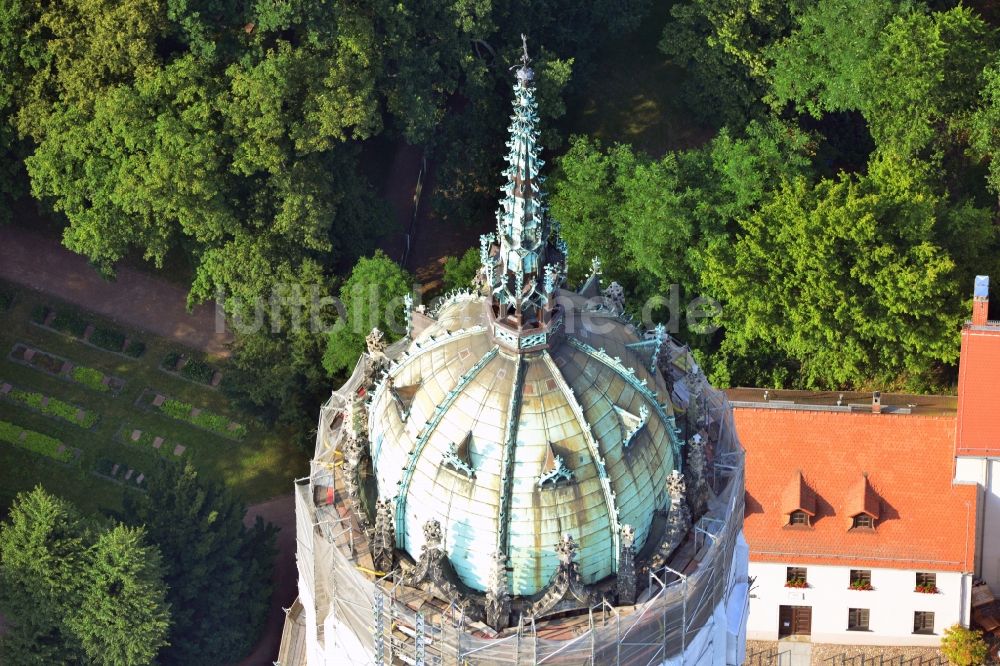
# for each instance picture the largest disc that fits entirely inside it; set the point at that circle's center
(56, 408)
(207, 420)
(107, 338)
(105, 465)
(198, 371)
(34, 441)
(70, 322)
(90, 378)
(73, 323)
(40, 313)
(170, 361)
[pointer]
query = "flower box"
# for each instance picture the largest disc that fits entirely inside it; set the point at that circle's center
(926, 589)
(861, 585)
(797, 582)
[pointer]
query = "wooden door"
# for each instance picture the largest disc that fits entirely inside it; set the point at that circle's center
(802, 620)
(794, 621)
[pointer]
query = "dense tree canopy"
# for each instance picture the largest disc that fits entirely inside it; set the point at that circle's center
(240, 135)
(650, 221)
(371, 297)
(77, 590)
(217, 571)
(843, 280)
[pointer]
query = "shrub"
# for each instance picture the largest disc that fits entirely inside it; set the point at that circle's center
(207, 420)
(198, 371)
(177, 409)
(9, 432)
(135, 349)
(46, 362)
(211, 421)
(56, 408)
(90, 378)
(35, 442)
(40, 313)
(6, 300)
(104, 466)
(28, 398)
(70, 322)
(170, 361)
(963, 647)
(107, 338)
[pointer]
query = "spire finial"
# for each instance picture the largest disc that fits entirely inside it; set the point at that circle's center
(529, 265)
(524, 73)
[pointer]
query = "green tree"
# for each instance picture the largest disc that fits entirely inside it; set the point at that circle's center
(984, 125)
(924, 78)
(585, 194)
(912, 73)
(825, 63)
(217, 571)
(963, 646)
(121, 617)
(372, 297)
(844, 280)
(650, 221)
(41, 559)
(460, 272)
(723, 44)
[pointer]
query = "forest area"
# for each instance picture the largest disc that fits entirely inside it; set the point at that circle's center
(837, 198)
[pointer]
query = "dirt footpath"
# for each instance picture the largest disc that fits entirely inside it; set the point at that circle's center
(135, 298)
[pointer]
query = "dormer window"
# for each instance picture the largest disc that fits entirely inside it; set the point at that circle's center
(863, 521)
(863, 505)
(798, 502)
(798, 518)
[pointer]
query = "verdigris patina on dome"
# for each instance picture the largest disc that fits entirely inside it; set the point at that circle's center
(509, 451)
(522, 411)
(486, 488)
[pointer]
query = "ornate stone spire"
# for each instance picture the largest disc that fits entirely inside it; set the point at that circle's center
(530, 265)
(626, 583)
(699, 492)
(678, 520)
(384, 539)
(497, 594)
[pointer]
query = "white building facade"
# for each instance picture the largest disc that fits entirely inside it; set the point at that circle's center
(891, 613)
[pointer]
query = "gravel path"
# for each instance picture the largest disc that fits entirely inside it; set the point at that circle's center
(135, 298)
(823, 652)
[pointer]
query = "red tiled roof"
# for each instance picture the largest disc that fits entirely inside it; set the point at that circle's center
(979, 392)
(798, 497)
(924, 521)
(861, 498)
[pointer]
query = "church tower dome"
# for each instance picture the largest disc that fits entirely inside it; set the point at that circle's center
(525, 460)
(525, 412)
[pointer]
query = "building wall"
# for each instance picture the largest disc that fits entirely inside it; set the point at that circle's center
(891, 604)
(986, 473)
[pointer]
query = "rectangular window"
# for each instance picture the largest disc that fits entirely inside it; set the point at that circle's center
(861, 579)
(798, 518)
(863, 520)
(795, 574)
(923, 622)
(926, 579)
(857, 619)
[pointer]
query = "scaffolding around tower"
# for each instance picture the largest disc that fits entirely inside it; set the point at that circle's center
(683, 608)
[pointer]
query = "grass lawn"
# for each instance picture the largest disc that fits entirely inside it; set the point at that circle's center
(259, 466)
(633, 95)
